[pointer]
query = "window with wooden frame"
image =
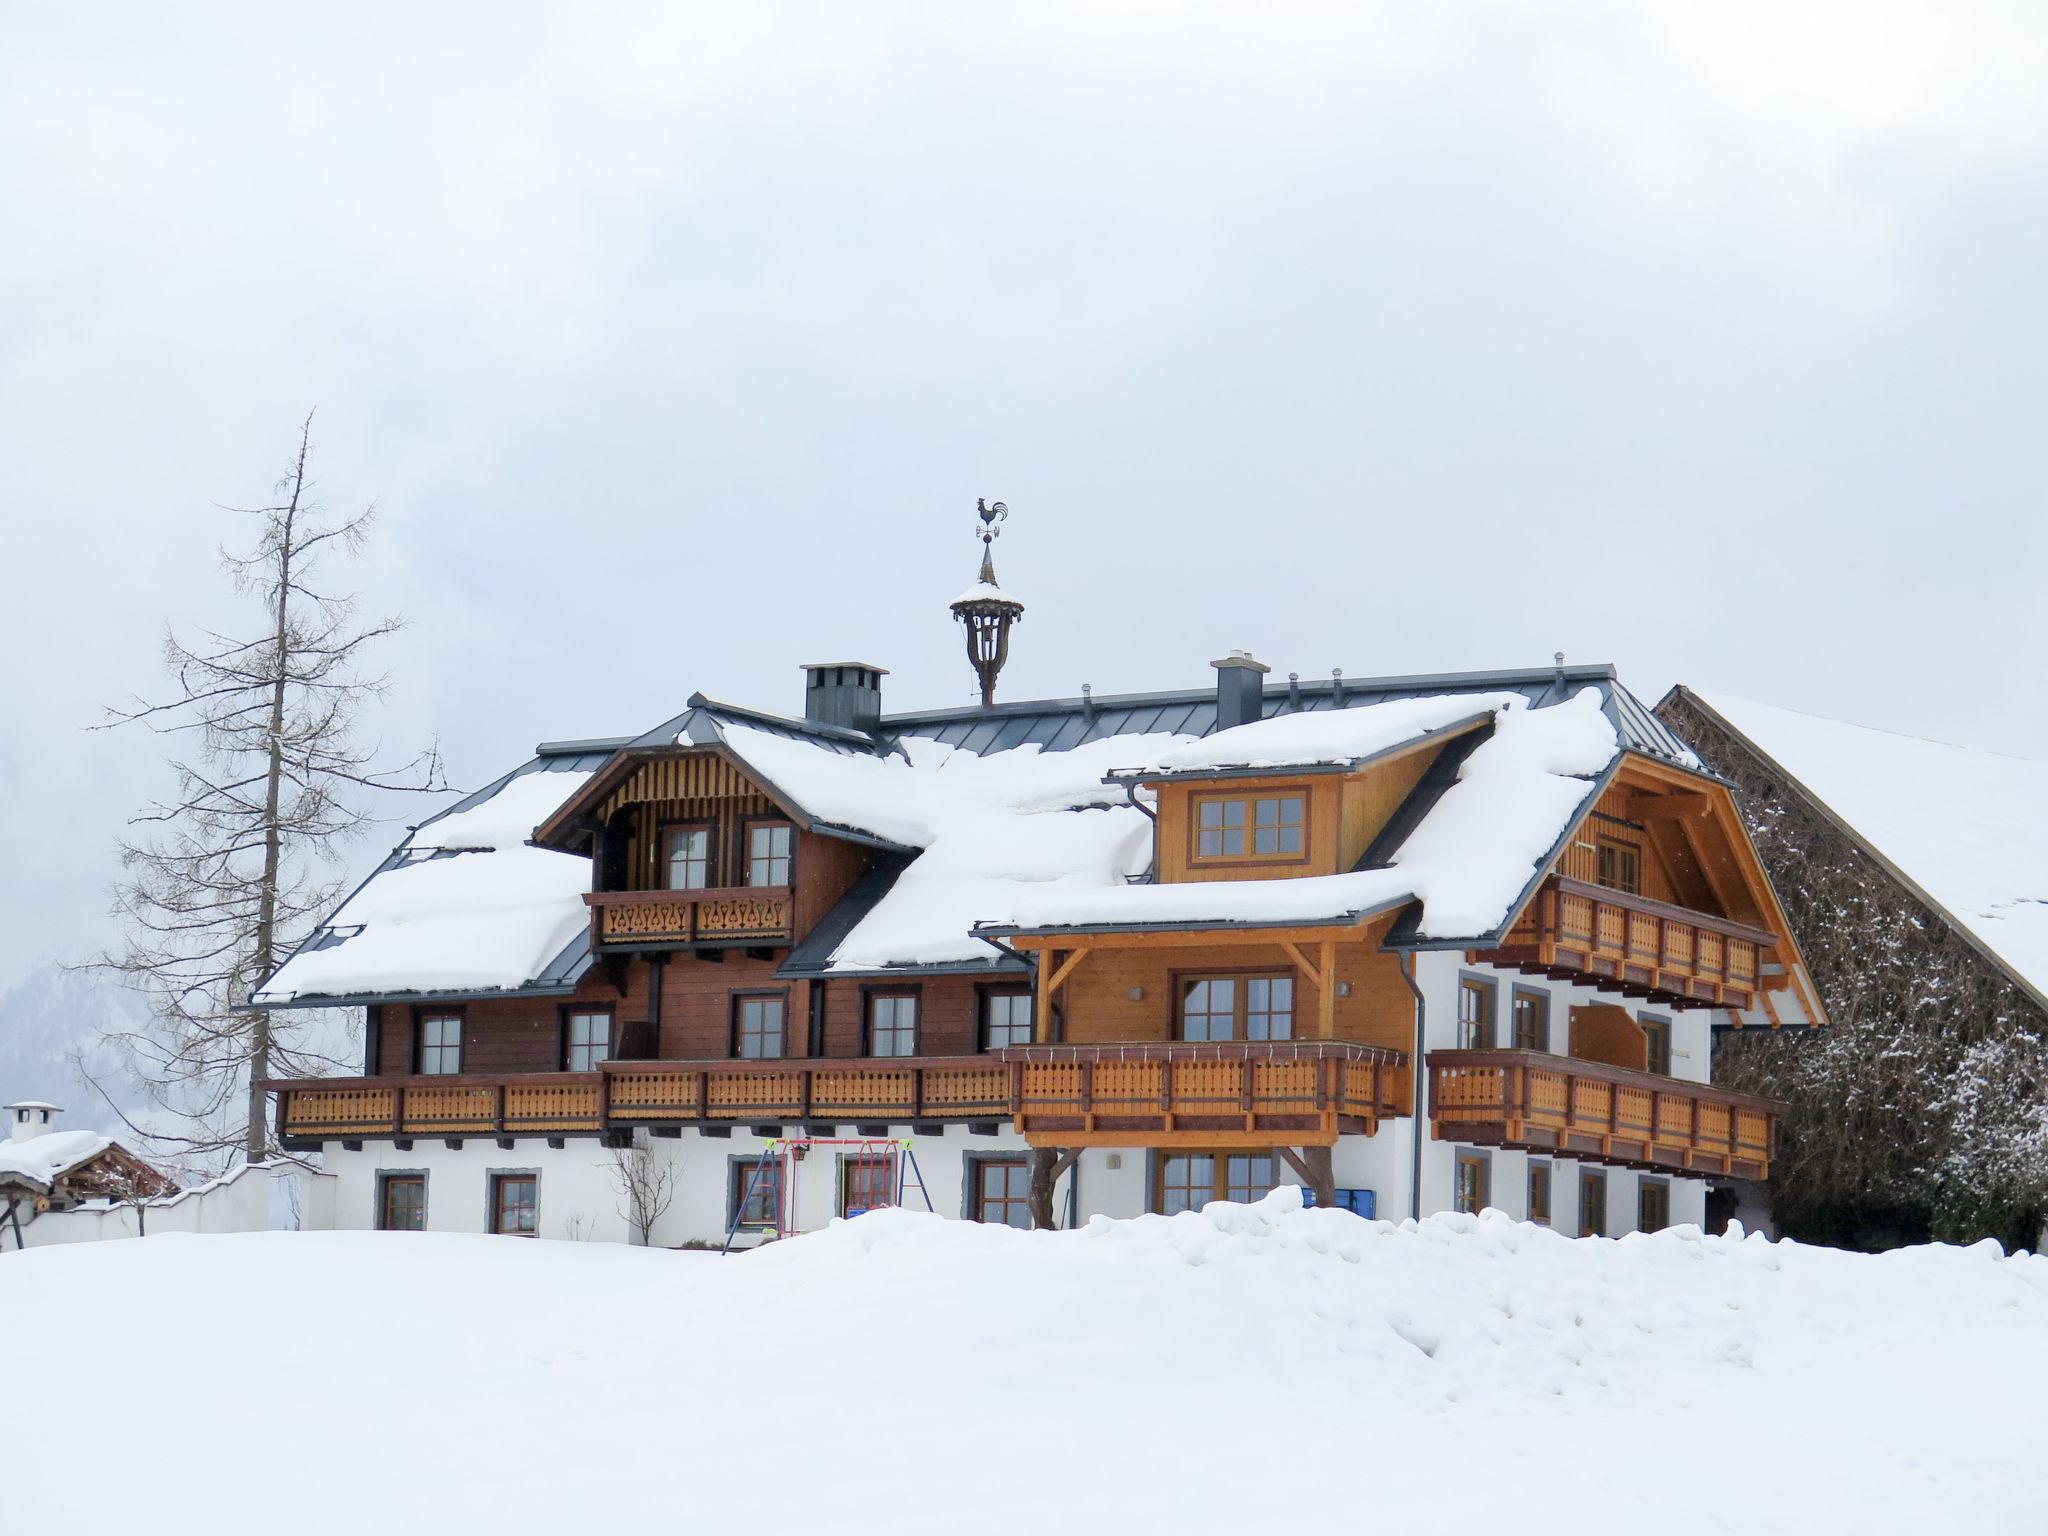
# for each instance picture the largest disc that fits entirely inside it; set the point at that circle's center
(1539, 1193)
(1252, 828)
(440, 1048)
(753, 1192)
(1000, 1192)
(1005, 1018)
(1469, 1189)
(586, 1039)
(1237, 1007)
(1531, 1020)
(1475, 1014)
(1656, 1043)
(686, 855)
(758, 1024)
(892, 1024)
(1653, 1205)
(769, 849)
(515, 1204)
(401, 1202)
(867, 1182)
(1620, 866)
(1187, 1181)
(1592, 1203)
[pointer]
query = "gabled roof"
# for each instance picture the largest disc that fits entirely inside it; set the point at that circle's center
(1966, 831)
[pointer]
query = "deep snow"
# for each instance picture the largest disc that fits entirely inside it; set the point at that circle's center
(1244, 1369)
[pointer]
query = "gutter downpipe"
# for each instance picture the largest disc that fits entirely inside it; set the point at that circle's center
(1131, 796)
(1415, 1081)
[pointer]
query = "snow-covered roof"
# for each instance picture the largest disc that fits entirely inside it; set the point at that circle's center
(985, 592)
(464, 905)
(1331, 737)
(1468, 861)
(1968, 828)
(33, 1104)
(40, 1161)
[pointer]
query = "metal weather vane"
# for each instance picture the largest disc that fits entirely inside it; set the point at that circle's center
(988, 614)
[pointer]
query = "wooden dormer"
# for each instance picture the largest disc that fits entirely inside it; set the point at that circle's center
(691, 852)
(1281, 823)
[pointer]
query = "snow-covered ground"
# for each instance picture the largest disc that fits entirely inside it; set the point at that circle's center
(1247, 1369)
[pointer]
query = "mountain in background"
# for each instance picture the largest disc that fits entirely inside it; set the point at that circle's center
(52, 1012)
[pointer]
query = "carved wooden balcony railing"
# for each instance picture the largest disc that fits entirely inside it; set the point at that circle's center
(524, 1103)
(739, 914)
(1533, 1102)
(870, 1089)
(1683, 958)
(1302, 1092)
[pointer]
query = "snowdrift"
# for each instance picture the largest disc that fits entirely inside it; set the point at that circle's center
(1245, 1369)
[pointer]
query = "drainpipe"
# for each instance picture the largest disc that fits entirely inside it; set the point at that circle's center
(1131, 794)
(1415, 1081)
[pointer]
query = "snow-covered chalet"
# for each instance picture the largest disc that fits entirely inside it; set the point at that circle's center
(1413, 944)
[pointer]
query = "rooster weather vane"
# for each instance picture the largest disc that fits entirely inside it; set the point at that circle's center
(986, 609)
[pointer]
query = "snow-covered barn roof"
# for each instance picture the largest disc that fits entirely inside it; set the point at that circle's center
(1002, 816)
(1966, 830)
(38, 1162)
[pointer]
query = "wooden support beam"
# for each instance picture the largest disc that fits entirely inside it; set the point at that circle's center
(1326, 1001)
(1313, 1166)
(1050, 985)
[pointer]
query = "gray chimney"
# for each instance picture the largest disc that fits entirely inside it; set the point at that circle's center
(844, 693)
(1240, 689)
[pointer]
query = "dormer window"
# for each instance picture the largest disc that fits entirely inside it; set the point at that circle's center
(1250, 827)
(768, 845)
(689, 856)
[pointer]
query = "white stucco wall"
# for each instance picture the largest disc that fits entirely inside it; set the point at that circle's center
(257, 1197)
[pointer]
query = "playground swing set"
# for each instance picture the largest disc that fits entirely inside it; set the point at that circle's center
(878, 1171)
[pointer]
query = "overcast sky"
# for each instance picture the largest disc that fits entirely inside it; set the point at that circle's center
(676, 344)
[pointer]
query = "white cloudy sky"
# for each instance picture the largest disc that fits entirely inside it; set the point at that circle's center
(676, 343)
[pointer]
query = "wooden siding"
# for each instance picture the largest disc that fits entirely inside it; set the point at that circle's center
(1530, 1101)
(1371, 796)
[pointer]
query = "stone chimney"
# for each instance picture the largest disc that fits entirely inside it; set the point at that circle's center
(1240, 689)
(31, 1117)
(843, 693)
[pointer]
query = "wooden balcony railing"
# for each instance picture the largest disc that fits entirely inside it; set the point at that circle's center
(1303, 1092)
(1650, 948)
(524, 1103)
(1533, 1102)
(740, 914)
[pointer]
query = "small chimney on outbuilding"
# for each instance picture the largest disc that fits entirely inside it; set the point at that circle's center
(1240, 689)
(844, 693)
(31, 1117)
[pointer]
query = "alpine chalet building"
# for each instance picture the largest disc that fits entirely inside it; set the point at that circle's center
(1414, 944)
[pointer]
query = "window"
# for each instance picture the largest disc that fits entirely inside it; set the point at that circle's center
(1237, 1008)
(768, 845)
(689, 857)
(1258, 827)
(754, 1192)
(1190, 1180)
(515, 1204)
(1475, 1015)
(1653, 1205)
(757, 1026)
(892, 1024)
(1001, 1192)
(1657, 1044)
(1469, 1193)
(588, 1040)
(1005, 1019)
(867, 1181)
(1539, 1193)
(1532, 1021)
(1621, 867)
(440, 1044)
(1592, 1204)
(402, 1202)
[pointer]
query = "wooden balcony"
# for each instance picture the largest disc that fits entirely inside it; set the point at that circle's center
(1533, 1102)
(1672, 955)
(720, 916)
(532, 1103)
(879, 1091)
(1250, 1093)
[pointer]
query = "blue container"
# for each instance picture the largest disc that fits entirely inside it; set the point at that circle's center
(1359, 1202)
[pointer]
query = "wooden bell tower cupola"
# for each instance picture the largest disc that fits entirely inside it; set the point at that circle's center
(986, 609)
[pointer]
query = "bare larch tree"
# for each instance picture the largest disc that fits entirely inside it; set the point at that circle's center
(223, 879)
